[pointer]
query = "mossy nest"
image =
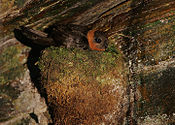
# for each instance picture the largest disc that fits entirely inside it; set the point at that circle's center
(81, 84)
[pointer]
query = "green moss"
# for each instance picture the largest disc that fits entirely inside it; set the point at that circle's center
(11, 66)
(8, 55)
(11, 74)
(77, 81)
(81, 63)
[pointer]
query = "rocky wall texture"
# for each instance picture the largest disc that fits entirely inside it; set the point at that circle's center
(142, 32)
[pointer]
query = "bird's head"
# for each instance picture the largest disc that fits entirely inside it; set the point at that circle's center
(97, 40)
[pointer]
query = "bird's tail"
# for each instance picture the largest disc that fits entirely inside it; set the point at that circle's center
(32, 38)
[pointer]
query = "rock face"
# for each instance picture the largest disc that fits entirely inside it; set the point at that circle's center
(18, 97)
(142, 31)
(84, 87)
(157, 90)
(20, 101)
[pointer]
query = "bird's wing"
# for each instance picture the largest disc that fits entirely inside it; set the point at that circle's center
(31, 37)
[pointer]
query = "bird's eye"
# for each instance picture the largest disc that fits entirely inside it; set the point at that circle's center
(98, 40)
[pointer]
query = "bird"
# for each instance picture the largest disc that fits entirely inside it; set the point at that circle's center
(67, 35)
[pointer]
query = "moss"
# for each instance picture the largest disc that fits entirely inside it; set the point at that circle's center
(10, 61)
(78, 83)
(91, 63)
(11, 74)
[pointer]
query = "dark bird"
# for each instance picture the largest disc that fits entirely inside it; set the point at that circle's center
(70, 36)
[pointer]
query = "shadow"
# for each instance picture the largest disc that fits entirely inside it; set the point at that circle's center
(32, 59)
(34, 117)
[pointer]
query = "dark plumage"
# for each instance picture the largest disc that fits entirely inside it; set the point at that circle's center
(70, 36)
